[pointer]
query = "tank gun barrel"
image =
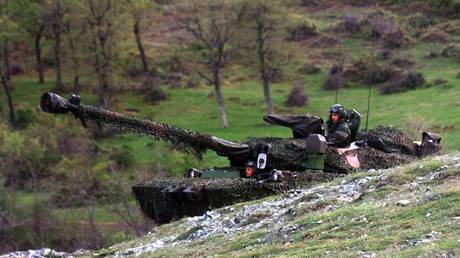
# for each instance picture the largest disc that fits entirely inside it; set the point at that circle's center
(193, 142)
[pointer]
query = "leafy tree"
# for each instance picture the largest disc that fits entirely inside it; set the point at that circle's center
(104, 19)
(213, 25)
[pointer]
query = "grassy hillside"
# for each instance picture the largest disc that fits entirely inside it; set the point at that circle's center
(407, 211)
(433, 107)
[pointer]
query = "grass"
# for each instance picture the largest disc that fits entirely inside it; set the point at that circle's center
(432, 108)
(362, 227)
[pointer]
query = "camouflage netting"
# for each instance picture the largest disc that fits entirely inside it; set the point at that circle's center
(389, 140)
(284, 153)
(167, 199)
(193, 142)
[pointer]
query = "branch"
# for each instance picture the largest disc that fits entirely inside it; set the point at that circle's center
(204, 76)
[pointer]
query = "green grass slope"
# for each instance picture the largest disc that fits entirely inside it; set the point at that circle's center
(407, 211)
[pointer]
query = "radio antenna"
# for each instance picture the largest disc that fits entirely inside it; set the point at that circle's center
(371, 81)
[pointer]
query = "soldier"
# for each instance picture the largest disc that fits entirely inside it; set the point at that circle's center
(338, 131)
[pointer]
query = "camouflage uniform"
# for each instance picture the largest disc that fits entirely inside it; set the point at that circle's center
(338, 133)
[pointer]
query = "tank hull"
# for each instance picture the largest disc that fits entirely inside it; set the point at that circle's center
(165, 200)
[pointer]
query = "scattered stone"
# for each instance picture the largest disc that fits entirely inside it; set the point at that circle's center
(402, 203)
(40, 253)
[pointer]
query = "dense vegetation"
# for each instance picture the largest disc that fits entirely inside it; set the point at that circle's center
(66, 187)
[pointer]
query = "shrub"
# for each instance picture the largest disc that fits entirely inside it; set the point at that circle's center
(309, 69)
(334, 79)
(24, 117)
(420, 21)
(403, 82)
(123, 156)
(351, 23)
(394, 38)
(435, 35)
(452, 50)
(155, 95)
(439, 81)
(297, 97)
(301, 30)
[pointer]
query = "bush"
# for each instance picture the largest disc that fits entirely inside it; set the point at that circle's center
(420, 21)
(334, 79)
(435, 35)
(155, 95)
(452, 50)
(297, 97)
(394, 38)
(123, 156)
(301, 31)
(403, 82)
(24, 117)
(351, 24)
(309, 69)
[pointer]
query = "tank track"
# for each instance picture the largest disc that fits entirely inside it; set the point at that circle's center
(168, 199)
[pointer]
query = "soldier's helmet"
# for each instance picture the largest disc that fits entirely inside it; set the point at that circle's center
(339, 109)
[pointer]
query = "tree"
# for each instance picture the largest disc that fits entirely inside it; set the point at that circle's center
(137, 9)
(212, 24)
(57, 24)
(75, 28)
(104, 18)
(265, 20)
(8, 31)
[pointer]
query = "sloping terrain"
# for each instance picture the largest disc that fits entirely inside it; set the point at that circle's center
(411, 210)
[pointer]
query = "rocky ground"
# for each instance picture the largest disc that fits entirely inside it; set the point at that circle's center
(410, 210)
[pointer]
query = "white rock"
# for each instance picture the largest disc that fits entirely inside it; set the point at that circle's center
(403, 203)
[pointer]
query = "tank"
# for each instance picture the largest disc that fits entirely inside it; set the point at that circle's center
(257, 167)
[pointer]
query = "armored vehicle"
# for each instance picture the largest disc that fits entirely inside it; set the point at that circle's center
(257, 167)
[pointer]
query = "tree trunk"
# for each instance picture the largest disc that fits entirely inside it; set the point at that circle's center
(263, 69)
(57, 46)
(268, 97)
(219, 97)
(6, 61)
(137, 32)
(38, 54)
(75, 64)
(6, 87)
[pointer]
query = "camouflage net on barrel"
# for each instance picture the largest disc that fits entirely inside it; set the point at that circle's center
(190, 141)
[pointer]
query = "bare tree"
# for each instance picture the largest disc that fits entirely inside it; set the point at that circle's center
(137, 10)
(7, 32)
(6, 87)
(101, 21)
(212, 24)
(265, 21)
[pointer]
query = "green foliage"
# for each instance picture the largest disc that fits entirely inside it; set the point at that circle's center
(123, 156)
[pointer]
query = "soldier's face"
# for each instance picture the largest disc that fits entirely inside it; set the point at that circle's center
(334, 117)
